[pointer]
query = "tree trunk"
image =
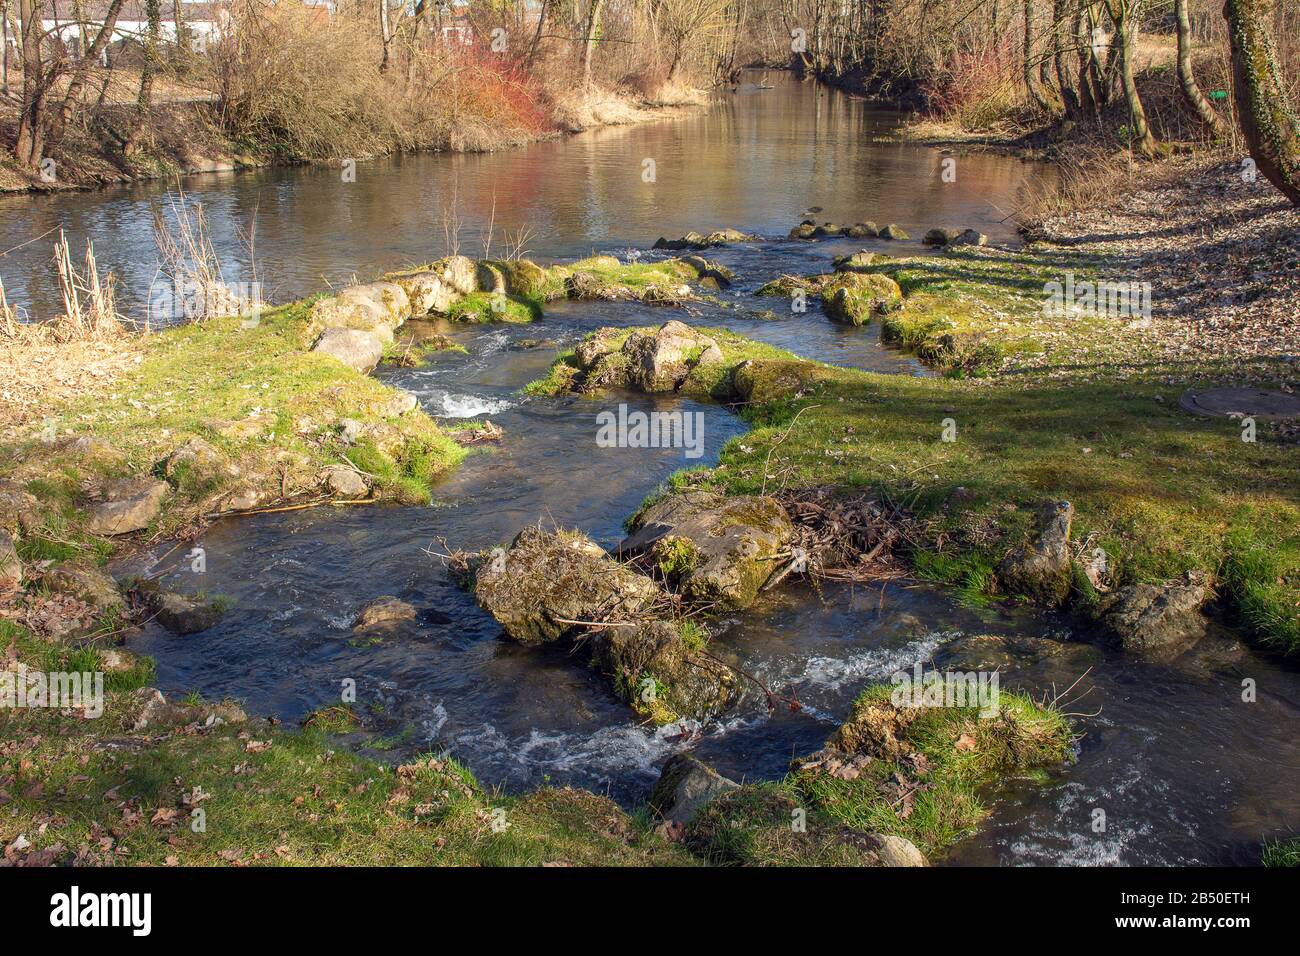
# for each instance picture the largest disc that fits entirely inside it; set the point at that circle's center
(1121, 14)
(182, 41)
(1268, 120)
(29, 148)
(1083, 41)
(537, 35)
(144, 99)
(385, 34)
(1029, 59)
(1068, 95)
(4, 47)
(1187, 79)
(59, 123)
(589, 48)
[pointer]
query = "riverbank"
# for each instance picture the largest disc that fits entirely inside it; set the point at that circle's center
(186, 139)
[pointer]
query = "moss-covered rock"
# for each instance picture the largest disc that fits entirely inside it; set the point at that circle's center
(427, 291)
(786, 286)
(656, 361)
(545, 581)
(1041, 570)
(854, 298)
(893, 231)
(737, 542)
(375, 307)
(862, 230)
(857, 261)
(660, 362)
(655, 668)
(685, 787)
(1155, 620)
(459, 273)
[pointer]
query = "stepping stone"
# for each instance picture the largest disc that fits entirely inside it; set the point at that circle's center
(1261, 403)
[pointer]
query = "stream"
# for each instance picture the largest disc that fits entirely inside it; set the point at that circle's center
(1184, 770)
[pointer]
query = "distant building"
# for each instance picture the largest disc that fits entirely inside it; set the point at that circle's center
(203, 22)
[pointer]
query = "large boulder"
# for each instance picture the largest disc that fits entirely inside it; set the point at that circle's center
(459, 273)
(197, 466)
(1041, 569)
(685, 787)
(661, 362)
(375, 307)
(180, 613)
(129, 504)
(386, 302)
(85, 582)
(970, 237)
(805, 230)
(854, 297)
(355, 348)
(384, 611)
(714, 548)
(1155, 620)
(940, 237)
(426, 291)
(546, 581)
(893, 231)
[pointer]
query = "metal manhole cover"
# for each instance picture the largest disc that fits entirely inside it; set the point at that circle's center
(1262, 403)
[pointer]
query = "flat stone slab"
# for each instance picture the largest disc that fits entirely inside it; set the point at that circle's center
(1262, 403)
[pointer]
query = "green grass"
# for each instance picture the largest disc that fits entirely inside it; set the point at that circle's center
(968, 309)
(1281, 852)
(642, 275)
(965, 755)
(1161, 491)
(275, 796)
(255, 393)
(489, 307)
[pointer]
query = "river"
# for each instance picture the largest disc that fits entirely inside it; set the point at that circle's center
(1185, 771)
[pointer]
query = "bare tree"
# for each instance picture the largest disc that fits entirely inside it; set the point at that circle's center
(4, 47)
(589, 46)
(1126, 14)
(152, 58)
(41, 125)
(1187, 78)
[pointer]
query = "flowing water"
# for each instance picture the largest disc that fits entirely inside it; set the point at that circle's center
(1184, 770)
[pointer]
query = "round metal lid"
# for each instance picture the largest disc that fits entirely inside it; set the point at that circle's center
(1263, 403)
